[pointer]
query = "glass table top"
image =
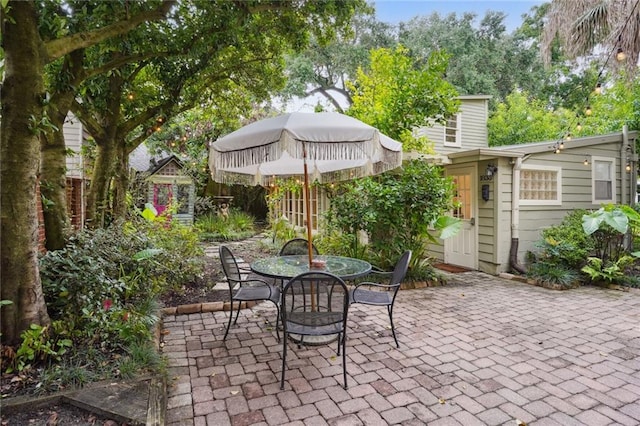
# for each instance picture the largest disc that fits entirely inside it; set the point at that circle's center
(290, 266)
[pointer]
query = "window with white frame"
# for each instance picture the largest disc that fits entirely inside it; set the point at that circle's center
(602, 180)
(452, 131)
(540, 185)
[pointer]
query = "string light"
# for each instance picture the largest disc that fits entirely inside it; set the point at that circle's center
(619, 55)
(130, 96)
(628, 167)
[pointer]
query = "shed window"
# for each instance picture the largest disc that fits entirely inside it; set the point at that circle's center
(452, 132)
(602, 178)
(540, 185)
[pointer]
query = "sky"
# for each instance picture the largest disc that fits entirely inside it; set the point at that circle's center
(395, 11)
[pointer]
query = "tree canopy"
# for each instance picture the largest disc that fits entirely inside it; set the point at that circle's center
(395, 95)
(235, 44)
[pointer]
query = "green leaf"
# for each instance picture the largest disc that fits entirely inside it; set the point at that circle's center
(617, 220)
(150, 213)
(146, 254)
(591, 222)
(448, 226)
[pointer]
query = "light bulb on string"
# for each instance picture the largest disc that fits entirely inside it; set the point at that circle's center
(578, 126)
(586, 161)
(628, 167)
(620, 55)
(588, 110)
(598, 89)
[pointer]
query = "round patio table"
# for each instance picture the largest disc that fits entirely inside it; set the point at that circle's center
(287, 267)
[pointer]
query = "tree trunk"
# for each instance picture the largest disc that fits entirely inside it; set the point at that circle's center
(53, 184)
(98, 196)
(121, 183)
(107, 156)
(21, 98)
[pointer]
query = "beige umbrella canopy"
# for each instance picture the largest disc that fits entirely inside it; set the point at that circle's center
(323, 147)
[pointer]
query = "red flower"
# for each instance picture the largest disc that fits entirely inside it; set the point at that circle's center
(107, 304)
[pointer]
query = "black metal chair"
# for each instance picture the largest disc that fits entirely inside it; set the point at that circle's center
(297, 246)
(370, 293)
(246, 289)
(315, 304)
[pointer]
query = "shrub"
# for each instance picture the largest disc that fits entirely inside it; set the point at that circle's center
(102, 288)
(179, 258)
(79, 280)
(213, 227)
(204, 206)
(397, 211)
(567, 243)
(610, 272)
(554, 275)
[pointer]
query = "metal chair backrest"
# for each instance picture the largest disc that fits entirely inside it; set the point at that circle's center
(297, 246)
(401, 268)
(229, 264)
(314, 300)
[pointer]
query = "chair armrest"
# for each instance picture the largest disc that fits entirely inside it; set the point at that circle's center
(370, 286)
(249, 281)
(373, 273)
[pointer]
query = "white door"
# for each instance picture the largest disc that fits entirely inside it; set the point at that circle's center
(462, 249)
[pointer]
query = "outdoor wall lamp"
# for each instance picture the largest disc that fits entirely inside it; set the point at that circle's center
(491, 170)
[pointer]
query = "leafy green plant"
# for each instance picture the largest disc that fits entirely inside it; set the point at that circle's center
(554, 275)
(398, 211)
(611, 272)
(608, 227)
(282, 231)
(213, 227)
(332, 241)
(37, 346)
(567, 243)
(139, 355)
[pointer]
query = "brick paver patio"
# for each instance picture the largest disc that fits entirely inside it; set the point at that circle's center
(480, 350)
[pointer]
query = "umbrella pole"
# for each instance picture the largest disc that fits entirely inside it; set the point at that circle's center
(308, 208)
(307, 205)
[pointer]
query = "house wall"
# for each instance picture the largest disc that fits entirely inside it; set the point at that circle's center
(473, 126)
(291, 206)
(576, 191)
(494, 217)
(73, 138)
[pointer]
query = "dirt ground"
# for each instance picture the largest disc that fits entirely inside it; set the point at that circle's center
(58, 414)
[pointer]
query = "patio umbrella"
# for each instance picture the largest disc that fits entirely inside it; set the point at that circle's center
(323, 147)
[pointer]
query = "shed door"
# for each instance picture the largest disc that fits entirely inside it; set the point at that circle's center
(462, 249)
(162, 194)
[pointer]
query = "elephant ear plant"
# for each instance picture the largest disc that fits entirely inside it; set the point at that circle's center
(612, 228)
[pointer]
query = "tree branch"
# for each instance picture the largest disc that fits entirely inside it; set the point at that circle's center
(57, 48)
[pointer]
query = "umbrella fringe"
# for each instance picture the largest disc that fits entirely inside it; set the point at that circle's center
(295, 148)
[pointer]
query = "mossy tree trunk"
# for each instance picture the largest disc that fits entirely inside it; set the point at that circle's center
(53, 154)
(22, 96)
